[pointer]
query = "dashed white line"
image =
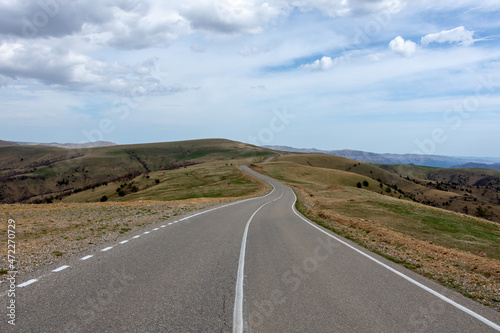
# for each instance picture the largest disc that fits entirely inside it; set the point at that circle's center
(26, 283)
(106, 249)
(123, 242)
(238, 298)
(155, 229)
(171, 223)
(137, 236)
(87, 257)
(60, 268)
(146, 232)
(163, 226)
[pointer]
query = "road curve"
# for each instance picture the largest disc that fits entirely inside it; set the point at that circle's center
(251, 266)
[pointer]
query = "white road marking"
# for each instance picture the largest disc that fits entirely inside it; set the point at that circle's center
(60, 268)
(418, 284)
(238, 298)
(26, 283)
(146, 232)
(106, 249)
(163, 226)
(156, 229)
(87, 257)
(171, 223)
(136, 236)
(123, 242)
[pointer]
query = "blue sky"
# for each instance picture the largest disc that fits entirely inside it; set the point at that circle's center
(390, 76)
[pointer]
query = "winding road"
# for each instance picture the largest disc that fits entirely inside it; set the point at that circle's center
(254, 265)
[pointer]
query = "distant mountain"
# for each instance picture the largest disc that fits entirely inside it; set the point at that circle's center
(7, 143)
(495, 166)
(67, 145)
(424, 160)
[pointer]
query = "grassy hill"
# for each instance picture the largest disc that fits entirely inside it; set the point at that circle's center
(470, 191)
(38, 173)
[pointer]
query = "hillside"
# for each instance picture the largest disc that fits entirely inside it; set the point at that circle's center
(418, 159)
(470, 191)
(40, 173)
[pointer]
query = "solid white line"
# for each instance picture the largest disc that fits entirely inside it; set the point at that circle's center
(123, 242)
(87, 257)
(418, 284)
(60, 268)
(238, 298)
(26, 283)
(106, 249)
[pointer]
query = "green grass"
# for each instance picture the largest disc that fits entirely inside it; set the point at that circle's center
(60, 169)
(334, 191)
(208, 180)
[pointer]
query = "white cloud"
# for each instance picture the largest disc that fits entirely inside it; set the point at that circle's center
(458, 35)
(198, 48)
(352, 7)
(232, 16)
(404, 48)
(59, 68)
(323, 64)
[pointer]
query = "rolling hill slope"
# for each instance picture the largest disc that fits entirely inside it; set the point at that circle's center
(37, 173)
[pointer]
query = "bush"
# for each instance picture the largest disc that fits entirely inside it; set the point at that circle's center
(121, 193)
(358, 185)
(157, 181)
(103, 198)
(365, 183)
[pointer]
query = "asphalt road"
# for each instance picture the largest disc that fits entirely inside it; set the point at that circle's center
(251, 266)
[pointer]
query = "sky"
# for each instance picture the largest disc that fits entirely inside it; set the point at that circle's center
(385, 76)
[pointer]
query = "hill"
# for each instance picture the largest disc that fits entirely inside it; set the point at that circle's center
(470, 191)
(7, 143)
(495, 166)
(418, 159)
(39, 173)
(70, 145)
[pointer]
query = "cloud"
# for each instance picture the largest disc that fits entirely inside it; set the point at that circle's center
(352, 7)
(198, 48)
(232, 16)
(59, 68)
(458, 35)
(404, 48)
(323, 64)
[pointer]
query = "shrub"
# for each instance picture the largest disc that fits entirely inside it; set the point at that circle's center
(365, 183)
(121, 193)
(157, 181)
(358, 185)
(103, 198)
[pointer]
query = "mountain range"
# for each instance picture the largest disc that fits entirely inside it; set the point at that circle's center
(424, 160)
(60, 145)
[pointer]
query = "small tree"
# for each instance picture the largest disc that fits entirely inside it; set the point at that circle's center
(358, 185)
(103, 198)
(121, 193)
(365, 183)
